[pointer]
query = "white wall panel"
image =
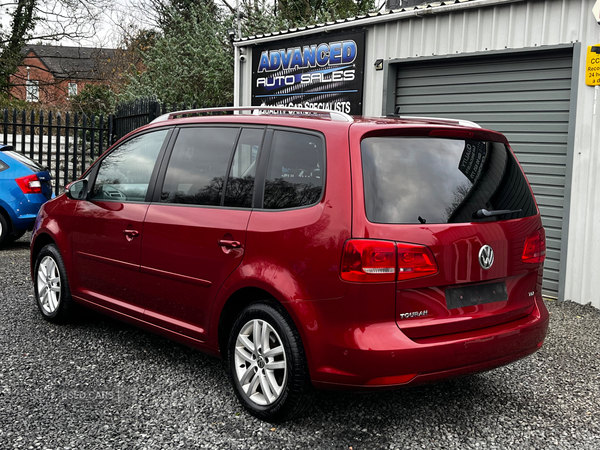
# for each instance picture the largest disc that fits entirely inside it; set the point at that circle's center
(525, 24)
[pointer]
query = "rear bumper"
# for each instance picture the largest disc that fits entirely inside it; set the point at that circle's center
(379, 356)
(26, 209)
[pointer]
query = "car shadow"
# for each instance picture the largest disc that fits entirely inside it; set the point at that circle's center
(20, 244)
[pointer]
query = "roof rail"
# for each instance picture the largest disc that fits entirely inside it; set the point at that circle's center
(257, 110)
(464, 123)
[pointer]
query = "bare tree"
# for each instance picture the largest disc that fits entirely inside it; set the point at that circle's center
(43, 21)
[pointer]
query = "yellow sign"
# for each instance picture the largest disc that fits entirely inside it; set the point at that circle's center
(592, 66)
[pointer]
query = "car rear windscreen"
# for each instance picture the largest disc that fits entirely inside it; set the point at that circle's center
(433, 180)
(30, 163)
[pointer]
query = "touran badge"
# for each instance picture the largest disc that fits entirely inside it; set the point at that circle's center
(486, 257)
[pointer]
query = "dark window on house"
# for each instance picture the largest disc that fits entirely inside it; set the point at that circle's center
(71, 89)
(32, 91)
(296, 170)
(198, 166)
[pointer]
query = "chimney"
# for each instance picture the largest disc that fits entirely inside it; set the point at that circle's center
(393, 4)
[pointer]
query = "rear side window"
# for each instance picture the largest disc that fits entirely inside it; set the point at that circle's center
(198, 166)
(426, 180)
(3, 166)
(296, 170)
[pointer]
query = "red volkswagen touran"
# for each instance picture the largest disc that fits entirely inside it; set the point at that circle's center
(309, 249)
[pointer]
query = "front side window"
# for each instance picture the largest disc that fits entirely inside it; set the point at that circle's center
(198, 166)
(296, 170)
(124, 174)
(432, 180)
(32, 91)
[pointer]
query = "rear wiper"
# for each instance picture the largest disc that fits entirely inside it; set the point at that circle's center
(483, 213)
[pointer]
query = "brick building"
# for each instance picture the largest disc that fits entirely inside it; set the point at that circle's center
(51, 74)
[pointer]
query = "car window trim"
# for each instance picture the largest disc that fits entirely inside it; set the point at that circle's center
(160, 178)
(235, 148)
(229, 164)
(169, 140)
(261, 169)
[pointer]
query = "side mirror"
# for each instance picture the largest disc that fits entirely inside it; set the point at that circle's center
(78, 190)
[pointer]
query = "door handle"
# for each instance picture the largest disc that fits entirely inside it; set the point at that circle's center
(130, 234)
(229, 244)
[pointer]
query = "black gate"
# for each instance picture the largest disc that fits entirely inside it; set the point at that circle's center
(135, 114)
(68, 143)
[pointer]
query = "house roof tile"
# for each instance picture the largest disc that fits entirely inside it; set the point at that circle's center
(70, 62)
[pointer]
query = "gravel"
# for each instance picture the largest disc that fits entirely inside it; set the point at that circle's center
(102, 384)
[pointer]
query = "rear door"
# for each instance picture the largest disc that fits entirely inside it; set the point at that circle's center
(429, 190)
(195, 231)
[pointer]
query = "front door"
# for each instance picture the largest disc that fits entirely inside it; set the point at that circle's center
(109, 231)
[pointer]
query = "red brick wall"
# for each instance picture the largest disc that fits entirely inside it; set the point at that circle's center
(52, 91)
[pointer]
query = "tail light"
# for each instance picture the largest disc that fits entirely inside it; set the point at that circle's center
(367, 260)
(415, 261)
(30, 184)
(534, 251)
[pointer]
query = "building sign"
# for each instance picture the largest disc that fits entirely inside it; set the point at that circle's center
(592, 66)
(318, 73)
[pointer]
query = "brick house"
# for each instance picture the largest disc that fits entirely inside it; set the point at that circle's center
(51, 74)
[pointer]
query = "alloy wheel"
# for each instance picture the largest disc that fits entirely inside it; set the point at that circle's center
(260, 362)
(48, 285)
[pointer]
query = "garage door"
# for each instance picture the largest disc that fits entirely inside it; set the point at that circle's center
(526, 97)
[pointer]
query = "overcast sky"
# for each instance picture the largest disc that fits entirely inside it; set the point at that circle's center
(108, 30)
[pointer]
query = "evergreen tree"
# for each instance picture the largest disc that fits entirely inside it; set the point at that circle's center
(191, 62)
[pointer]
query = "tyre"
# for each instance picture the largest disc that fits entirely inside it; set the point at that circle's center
(51, 286)
(4, 230)
(17, 234)
(267, 365)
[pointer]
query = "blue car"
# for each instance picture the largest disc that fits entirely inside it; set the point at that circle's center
(24, 187)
